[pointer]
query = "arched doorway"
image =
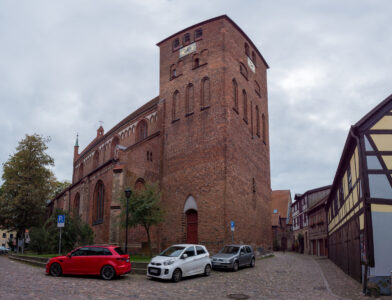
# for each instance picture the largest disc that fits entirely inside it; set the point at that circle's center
(191, 226)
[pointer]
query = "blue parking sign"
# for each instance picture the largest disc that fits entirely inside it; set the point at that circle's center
(232, 225)
(60, 220)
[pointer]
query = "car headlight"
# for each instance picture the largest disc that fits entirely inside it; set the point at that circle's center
(168, 262)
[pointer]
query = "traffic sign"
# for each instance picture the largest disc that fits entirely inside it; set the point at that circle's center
(60, 220)
(232, 225)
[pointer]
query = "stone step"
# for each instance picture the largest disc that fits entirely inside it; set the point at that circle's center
(29, 261)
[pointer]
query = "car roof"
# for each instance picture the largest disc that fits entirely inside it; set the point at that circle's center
(186, 245)
(236, 245)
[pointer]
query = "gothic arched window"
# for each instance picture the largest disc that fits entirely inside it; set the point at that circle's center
(205, 92)
(99, 201)
(175, 104)
(76, 205)
(264, 129)
(245, 104)
(235, 95)
(257, 121)
(141, 131)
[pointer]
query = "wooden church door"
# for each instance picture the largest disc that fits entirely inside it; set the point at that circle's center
(191, 226)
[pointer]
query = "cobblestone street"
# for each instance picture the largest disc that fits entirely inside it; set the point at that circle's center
(285, 276)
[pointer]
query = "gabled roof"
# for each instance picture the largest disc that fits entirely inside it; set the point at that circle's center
(353, 135)
(150, 104)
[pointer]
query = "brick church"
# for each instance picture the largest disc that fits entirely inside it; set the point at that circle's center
(204, 140)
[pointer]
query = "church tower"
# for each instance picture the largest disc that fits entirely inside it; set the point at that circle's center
(215, 162)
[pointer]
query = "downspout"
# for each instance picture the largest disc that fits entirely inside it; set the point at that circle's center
(352, 129)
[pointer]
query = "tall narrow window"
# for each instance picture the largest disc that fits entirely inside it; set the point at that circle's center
(115, 142)
(205, 92)
(264, 129)
(198, 33)
(253, 57)
(76, 205)
(189, 102)
(81, 169)
(99, 201)
(244, 70)
(176, 97)
(257, 88)
(141, 130)
(176, 43)
(245, 104)
(247, 49)
(187, 38)
(195, 61)
(173, 72)
(235, 95)
(257, 121)
(95, 159)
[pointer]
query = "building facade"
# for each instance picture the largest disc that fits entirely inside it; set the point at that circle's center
(282, 235)
(318, 233)
(300, 216)
(359, 208)
(204, 140)
(6, 236)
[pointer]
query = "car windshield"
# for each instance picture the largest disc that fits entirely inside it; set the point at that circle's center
(229, 250)
(172, 251)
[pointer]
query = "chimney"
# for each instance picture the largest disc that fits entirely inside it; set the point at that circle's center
(100, 131)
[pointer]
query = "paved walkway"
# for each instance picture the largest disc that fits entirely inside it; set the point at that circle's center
(286, 276)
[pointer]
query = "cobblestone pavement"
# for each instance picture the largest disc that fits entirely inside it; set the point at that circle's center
(285, 276)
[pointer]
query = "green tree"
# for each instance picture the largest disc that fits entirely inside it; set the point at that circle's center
(74, 233)
(144, 209)
(27, 185)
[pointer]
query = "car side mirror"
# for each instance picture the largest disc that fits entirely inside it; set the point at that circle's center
(184, 256)
(69, 255)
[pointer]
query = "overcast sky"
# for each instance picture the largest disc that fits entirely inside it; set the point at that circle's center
(66, 65)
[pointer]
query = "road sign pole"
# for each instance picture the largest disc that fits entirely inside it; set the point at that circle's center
(60, 243)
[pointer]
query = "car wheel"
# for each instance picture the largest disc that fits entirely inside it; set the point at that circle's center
(252, 262)
(235, 266)
(55, 269)
(207, 270)
(177, 275)
(108, 272)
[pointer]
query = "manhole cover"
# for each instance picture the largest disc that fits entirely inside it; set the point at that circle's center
(238, 296)
(320, 288)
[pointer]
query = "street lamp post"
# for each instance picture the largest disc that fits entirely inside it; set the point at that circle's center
(128, 193)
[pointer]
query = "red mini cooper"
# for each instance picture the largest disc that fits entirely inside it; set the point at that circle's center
(107, 261)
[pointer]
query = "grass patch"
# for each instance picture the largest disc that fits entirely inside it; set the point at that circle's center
(37, 255)
(140, 258)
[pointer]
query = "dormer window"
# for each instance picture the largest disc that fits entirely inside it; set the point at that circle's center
(198, 33)
(176, 43)
(187, 38)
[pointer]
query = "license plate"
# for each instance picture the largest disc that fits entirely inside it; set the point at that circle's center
(153, 271)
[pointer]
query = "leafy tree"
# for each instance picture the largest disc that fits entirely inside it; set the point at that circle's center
(27, 185)
(74, 233)
(144, 209)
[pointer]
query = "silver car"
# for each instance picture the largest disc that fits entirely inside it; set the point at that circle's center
(234, 256)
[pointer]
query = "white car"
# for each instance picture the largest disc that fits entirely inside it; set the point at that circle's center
(179, 261)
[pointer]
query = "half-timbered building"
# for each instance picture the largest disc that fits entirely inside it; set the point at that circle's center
(359, 208)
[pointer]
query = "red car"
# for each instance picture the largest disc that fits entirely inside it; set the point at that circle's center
(107, 261)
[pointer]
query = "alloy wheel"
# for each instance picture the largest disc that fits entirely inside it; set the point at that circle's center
(108, 272)
(55, 269)
(207, 270)
(177, 275)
